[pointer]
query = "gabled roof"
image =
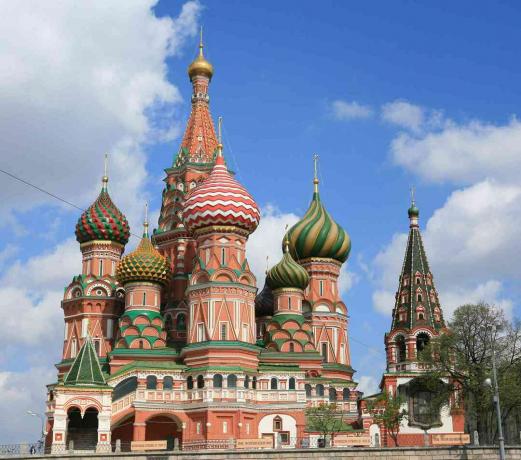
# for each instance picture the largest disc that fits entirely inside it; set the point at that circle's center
(86, 369)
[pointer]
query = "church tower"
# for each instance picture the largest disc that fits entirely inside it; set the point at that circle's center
(417, 314)
(220, 214)
(191, 165)
(93, 300)
(321, 246)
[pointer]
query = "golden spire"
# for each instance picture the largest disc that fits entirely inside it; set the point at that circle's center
(315, 175)
(105, 178)
(145, 222)
(200, 66)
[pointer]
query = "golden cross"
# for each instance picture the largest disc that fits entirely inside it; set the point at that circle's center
(315, 165)
(412, 194)
(219, 128)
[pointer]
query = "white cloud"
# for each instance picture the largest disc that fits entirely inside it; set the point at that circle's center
(462, 153)
(81, 79)
(368, 385)
(344, 110)
(266, 241)
(23, 391)
(404, 114)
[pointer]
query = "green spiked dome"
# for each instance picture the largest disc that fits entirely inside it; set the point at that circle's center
(144, 264)
(103, 221)
(287, 273)
(318, 235)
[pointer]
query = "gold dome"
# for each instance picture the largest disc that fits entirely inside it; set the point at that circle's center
(200, 66)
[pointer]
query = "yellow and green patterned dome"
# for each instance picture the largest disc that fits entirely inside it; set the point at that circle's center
(287, 273)
(144, 264)
(318, 235)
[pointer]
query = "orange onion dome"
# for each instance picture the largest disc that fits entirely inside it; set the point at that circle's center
(220, 201)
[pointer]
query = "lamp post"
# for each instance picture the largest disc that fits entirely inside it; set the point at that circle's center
(495, 387)
(40, 416)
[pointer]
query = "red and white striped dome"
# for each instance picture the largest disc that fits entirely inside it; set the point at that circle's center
(220, 200)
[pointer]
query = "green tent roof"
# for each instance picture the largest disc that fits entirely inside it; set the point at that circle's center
(86, 369)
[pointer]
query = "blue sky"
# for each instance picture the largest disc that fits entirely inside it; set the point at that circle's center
(388, 94)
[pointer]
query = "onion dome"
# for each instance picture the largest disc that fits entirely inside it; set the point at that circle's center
(200, 66)
(413, 211)
(264, 302)
(317, 234)
(220, 200)
(144, 264)
(287, 273)
(103, 220)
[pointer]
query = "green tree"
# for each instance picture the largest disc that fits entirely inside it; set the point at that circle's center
(464, 354)
(327, 419)
(388, 413)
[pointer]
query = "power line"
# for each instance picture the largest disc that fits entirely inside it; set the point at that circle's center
(46, 192)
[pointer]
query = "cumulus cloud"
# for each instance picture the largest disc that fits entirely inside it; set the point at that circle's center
(367, 384)
(79, 80)
(345, 110)
(462, 154)
(403, 114)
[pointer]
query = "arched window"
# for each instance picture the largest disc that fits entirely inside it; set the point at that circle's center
(181, 322)
(291, 347)
(151, 382)
(274, 384)
(422, 339)
(319, 390)
(401, 349)
(217, 381)
(200, 381)
(168, 383)
(291, 383)
(144, 298)
(277, 423)
(232, 381)
(190, 382)
(254, 383)
(421, 316)
(345, 394)
(308, 390)
(247, 381)
(419, 297)
(332, 394)
(124, 387)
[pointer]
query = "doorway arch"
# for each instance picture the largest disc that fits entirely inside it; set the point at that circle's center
(164, 427)
(82, 431)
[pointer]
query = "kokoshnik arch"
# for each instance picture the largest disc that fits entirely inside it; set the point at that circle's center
(172, 341)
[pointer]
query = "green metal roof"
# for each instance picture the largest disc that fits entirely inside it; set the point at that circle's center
(86, 369)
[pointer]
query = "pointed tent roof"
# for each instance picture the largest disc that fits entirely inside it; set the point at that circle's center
(86, 369)
(416, 291)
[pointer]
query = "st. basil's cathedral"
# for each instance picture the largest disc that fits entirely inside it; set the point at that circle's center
(174, 342)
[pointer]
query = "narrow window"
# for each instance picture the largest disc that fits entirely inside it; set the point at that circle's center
(101, 267)
(232, 381)
(277, 424)
(321, 287)
(274, 383)
(66, 331)
(217, 381)
(151, 382)
(223, 331)
(254, 383)
(289, 303)
(144, 298)
(168, 383)
(189, 382)
(84, 327)
(74, 348)
(200, 381)
(223, 256)
(225, 427)
(97, 347)
(291, 347)
(247, 381)
(319, 390)
(131, 299)
(324, 351)
(291, 383)
(244, 332)
(110, 328)
(200, 332)
(419, 298)
(198, 427)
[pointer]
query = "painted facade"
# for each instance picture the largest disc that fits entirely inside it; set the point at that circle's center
(174, 342)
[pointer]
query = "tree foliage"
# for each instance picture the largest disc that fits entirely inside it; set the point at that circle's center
(387, 412)
(465, 354)
(327, 419)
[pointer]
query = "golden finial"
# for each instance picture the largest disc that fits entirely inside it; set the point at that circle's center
(286, 239)
(412, 195)
(201, 45)
(315, 175)
(219, 136)
(145, 222)
(105, 178)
